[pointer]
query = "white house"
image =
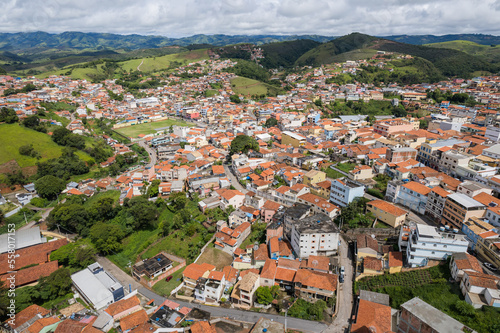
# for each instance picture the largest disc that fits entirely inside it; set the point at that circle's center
(315, 235)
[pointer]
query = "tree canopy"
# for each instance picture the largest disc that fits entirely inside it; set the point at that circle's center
(49, 187)
(8, 115)
(242, 144)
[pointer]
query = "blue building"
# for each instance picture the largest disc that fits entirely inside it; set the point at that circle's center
(343, 191)
(476, 228)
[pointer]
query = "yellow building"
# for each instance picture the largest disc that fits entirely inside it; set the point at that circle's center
(489, 249)
(387, 212)
(292, 139)
(322, 189)
(314, 176)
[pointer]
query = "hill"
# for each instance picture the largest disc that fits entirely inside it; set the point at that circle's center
(14, 136)
(448, 62)
(284, 54)
(428, 39)
(489, 53)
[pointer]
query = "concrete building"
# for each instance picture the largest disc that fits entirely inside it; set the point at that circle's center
(292, 215)
(493, 133)
(430, 153)
(396, 155)
(313, 176)
(417, 316)
(315, 235)
(389, 127)
(343, 191)
(414, 196)
(430, 243)
(450, 160)
(387, 212)
(293, 139)
(460, 208)
(436, 200)
(98, 287)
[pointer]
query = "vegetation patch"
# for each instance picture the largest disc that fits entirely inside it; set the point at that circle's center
(151, 127)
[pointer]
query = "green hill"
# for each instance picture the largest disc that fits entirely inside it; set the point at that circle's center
(13, 136)
(284, 54)
(448, 62)
(489, 53)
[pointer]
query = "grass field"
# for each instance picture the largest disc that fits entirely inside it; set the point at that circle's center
(13, 136)
(248, 87)
(215, 257)
(164, 288)
(150, 128)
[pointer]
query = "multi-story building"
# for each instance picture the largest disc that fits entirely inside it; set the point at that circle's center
(293, 139)
(459, 208)
(396, 155)
(343, 191)
(493, 133)
(430, 243)
(489, 250)
(430, 153)
(389, 127)
(471, 189)
(435, 203)
(210, 289)
(313, 176)
(315, 235)
(450, 160)
(475, 228)
(292, 215)
(414, 196)
(387, 212)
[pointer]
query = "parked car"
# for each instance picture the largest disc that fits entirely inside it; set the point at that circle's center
(490, 266)
(341, 278)
(342, 270)
(169, 278)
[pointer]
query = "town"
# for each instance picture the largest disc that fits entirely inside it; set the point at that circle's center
(192, 207)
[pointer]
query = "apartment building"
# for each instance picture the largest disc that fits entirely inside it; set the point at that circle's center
(430, 243)
(414, 196)
(343, 191)
(435, 203)
(389, 127)
(396, 155)
(459, 208)
(450, 160)
(430, 153)
(315, 235)
(387, 212)
(293, 139)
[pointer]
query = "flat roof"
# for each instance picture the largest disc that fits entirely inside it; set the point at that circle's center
(90, 285)
(436, 319)
(294, 135)
(465, 201)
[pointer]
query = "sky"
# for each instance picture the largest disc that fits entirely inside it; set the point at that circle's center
(182, 18)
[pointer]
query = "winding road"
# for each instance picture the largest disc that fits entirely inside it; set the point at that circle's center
(139, 67)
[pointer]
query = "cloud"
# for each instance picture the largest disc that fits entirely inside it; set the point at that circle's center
(183, 18)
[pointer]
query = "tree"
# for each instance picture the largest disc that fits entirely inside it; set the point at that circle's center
(8, 115)
(143, 211)
(235, 98)
(242, 144)
(316, 309)
(49, 187)
(178, 200)
(465, 308)
(106, 237)
(71, 216)
(153, 189)
(264, 295)
(31, 121)
(77, 255)
(271, 122)
(56, 284)
(28, 150)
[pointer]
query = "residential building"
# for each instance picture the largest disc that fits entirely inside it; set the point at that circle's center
(343, 191)
(315, 235)
(210, 289)
(417, 316)
(396, 155)
(194, 271)
(292, 215)
(471, 188)
(312, 285)
(451, 159)
(488, 249)
(244, 290)
(387, 212)
(476, 228)
(474, 286)
(313, 176)
(389, 127)
(293, 139)
(436, 200)
(430, 152)
(414, 196)
(459, 208)
(361, 172)
(319, 205)
(430, 243)
(463, 262)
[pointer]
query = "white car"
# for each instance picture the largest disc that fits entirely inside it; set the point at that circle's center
(490, 266)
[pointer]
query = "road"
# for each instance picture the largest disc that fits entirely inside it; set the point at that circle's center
(45, 214)
(139, 67)
(338, 170)
(241, 315)
(152, 154)
(234, 180)
(248, 316)
(344, 292)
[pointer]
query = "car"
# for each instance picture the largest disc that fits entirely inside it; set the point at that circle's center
(342, 270)
(341, 278)
(169, 278)
(490, 266)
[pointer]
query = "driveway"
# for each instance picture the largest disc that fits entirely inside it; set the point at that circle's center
(344, 292)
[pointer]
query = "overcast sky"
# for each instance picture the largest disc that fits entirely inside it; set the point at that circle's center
(232, 17)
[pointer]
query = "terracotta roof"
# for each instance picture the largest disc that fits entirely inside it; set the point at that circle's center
(133, 320)
(316, 263)
(202, 327)
(29, 313)
(366, 241)
(122, 305)
(315, 279)
(195, 271)
(417, 187)
(283, 274)
(482, 280)
(395, 259)
(144, 328)
(466, 261)
(32, 274)
(372, 263)
(372, 317)
(230, 273)
(440, 191)
(70, 326)
(387, 207)
(38, 325)
(268, 270)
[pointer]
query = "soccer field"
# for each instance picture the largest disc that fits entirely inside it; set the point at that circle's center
(150, 128)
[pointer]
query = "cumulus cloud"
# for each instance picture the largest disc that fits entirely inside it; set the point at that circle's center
(188, 17)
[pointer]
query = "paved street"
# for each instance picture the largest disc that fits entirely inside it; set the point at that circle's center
(234, 180)
(344, 292)
(151, 152)
(248, 316)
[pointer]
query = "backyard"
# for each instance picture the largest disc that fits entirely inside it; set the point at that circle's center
(431, 286)
(164, 288)
(216, 257)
